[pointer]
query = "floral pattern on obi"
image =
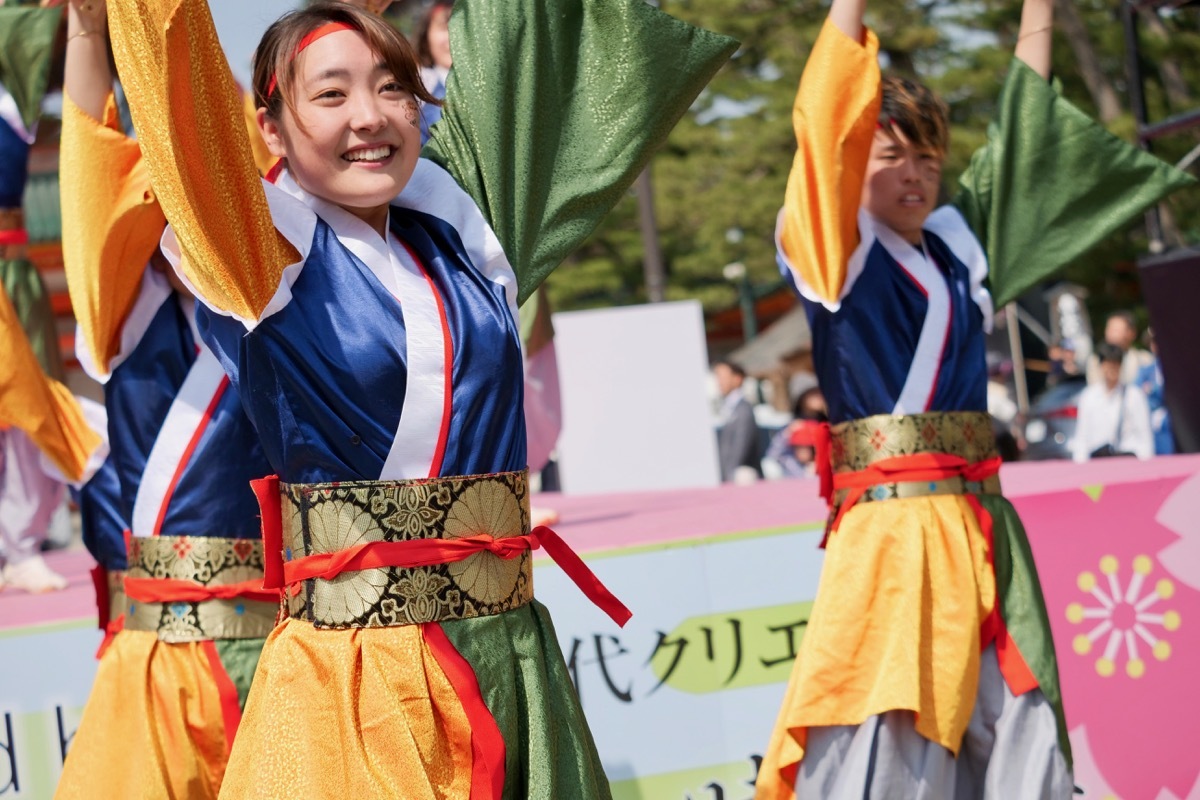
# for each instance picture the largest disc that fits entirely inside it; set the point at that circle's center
(860, 443)
(327, 518)
(208, 561)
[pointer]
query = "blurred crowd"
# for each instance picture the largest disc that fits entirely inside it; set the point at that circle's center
(1103, 399)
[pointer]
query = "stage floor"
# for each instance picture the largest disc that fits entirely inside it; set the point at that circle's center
(612, 523)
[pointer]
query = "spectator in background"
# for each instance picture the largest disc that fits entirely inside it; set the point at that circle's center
(1114, 417)
(1121, 331)
(1150, 380)
(1064, 363)
(792, 448)
(432, 40)
(1002, 405)
(737, 432)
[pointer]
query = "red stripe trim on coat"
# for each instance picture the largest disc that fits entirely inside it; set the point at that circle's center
(187, 454)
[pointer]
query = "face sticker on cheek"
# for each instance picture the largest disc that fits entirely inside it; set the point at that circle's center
(411, 113)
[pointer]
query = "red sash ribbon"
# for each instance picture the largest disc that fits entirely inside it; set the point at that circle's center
(14, 236)
(111, 627)
(418, 553)
(917, 468)
(171, 590)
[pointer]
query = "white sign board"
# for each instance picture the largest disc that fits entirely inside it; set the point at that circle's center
(634, 394)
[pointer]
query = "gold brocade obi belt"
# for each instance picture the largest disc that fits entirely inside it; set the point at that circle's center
(195, 588)
(892, 456)
(367, 554)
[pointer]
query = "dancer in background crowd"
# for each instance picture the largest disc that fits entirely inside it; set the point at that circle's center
(40, 421)
(27, 36)
(927, 668)
(181, 651)
(364, 304)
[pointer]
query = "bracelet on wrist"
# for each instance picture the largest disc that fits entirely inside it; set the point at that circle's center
(1042, 29)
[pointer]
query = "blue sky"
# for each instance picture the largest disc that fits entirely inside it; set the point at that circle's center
(240, 24)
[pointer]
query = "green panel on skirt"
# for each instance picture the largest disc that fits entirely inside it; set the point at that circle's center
(524, 680)
(240, 659)
(1023, 607)
(28, 294)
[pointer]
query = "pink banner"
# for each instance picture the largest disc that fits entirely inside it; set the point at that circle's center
(1120, 568)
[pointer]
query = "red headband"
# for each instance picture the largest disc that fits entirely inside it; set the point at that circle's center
(312, 36)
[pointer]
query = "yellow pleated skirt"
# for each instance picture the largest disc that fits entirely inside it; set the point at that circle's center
(905, 588)
(154, 727)
(480, 708)
(365, 712)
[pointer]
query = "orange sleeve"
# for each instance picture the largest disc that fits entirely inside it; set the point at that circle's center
(835, 115)
(191, 127)
(43, 408)
(112, 224)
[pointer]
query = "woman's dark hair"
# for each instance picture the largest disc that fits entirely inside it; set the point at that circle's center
(421, 34)
(1110, 353)
(800, 412)
(275, 57)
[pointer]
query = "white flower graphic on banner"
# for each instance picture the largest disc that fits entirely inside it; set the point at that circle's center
(1128, 619)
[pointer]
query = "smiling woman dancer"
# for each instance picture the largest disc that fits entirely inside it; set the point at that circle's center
(927, 670)
(364, 305)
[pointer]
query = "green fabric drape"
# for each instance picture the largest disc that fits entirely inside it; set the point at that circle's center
(1023, 607)
(1050, 184)
(553, 108)
(26, 44)
(527, 687)
(28, 294)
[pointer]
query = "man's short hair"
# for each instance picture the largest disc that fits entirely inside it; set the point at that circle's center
(1126, 317)
(919, 113)
(1107, 352)
(733, 367)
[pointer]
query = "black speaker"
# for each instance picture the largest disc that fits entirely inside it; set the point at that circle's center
(1171, 286)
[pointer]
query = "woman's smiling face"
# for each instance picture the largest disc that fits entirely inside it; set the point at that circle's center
(351, 135)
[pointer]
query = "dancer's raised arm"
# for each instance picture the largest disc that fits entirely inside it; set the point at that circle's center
(835, 117)
(847, 15)
(1035, 35)
(552, 110)
(110, 213)
(1050, 183)
(189, 118)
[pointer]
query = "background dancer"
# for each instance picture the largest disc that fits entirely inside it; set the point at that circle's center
(374, 341)
(170, 685)
(27, 38)
(39, 417)
(927, 669)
